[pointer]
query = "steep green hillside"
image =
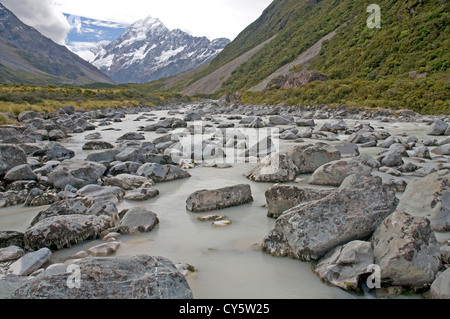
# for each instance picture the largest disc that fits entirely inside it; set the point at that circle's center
(373, 65)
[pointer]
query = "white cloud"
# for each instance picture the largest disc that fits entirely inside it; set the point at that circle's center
(211, 18)
(42, 15)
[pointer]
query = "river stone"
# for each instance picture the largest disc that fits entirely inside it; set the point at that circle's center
(278, 120)
(440, 289)
(11, 238)
(310, 230)
(93, 193)
(406, 249)
(97, 145)
(138, 220)
(308, 158)
(208, 200)
(58, 153)
(281, 198)
(257, 123)
(429, 197)
(334, 173)
(438, 127)
(305, 123)
(344, 266)
(162, 173)
(133, 136)
(10, 253)
(20, 173)
(141, 194)
(105, 157)
(76, 173)
(11, 156)
(127, 181)
(105, 249)
(63, 231)
(30, 262)
(124, 168)
(138, 277)
(274, 168)
(442, 150)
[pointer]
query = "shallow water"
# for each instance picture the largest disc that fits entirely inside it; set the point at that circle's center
(229, 260)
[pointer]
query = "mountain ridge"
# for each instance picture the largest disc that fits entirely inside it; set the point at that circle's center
(148, 50)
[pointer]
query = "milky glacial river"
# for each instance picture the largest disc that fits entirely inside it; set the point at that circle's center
(229, 261)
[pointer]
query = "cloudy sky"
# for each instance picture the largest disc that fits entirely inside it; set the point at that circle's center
(211, 18)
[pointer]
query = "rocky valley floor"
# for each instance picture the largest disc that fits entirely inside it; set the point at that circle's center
(305, 203)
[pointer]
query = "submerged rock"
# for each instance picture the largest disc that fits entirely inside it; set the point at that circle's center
(310, 230)
(104, 250)
(207, 200)
(139, 277)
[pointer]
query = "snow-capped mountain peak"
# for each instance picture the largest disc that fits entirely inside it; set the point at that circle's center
(148, 50)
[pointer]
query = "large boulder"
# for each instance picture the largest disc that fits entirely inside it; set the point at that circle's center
(310, 230)
(308, 158)
(334, 173)
(207, 200)
(346, 265)
(429, 197)
(76, 173)
(281, 198)
(139, 277)
(63, 231)
(162, 173)
(11, 156)
(274, 168)
(406, 249)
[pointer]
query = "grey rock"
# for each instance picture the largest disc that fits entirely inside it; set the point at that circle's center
(162, 173)
(347, 149)
(442, 150)
(11, 238)
(60, 208)
(30, 262)
(281, 198)
(10, 253)
(440, 289)
(334, 173)
(131, 137)
(20, 173)
(274, 168)
(128, 181)
(76, 173)
(438, 127)
(305, 123)
(55, 135)
(421, 152)
(141, 194)
(58, 153)
(310, 230)
(138, 220)
(346, 265)
(93, 136)
(208, 200)
(308, 158)
(63, 231)
(97, 145)
(105, 157)
(279, 120)
(138, 277)
(124, 168)
(406, 249)
(429, 197)
(104, 250)
(257, 123)
(11, 156)
(95, 193)
(396, 184)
